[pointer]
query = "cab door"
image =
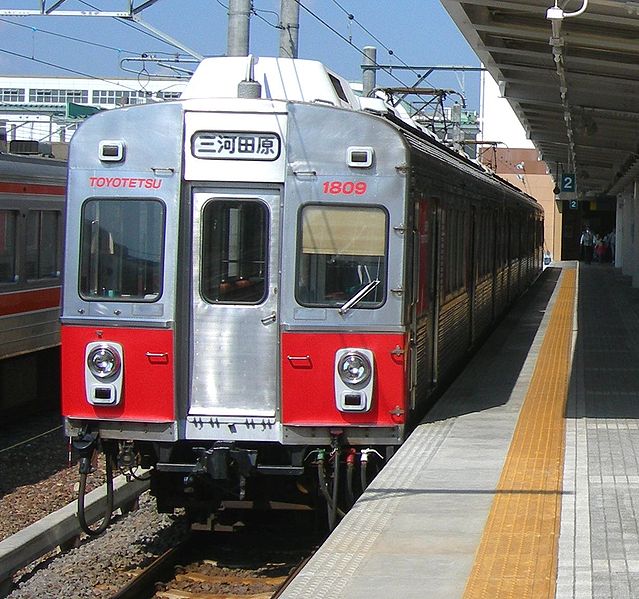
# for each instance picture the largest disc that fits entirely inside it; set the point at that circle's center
(234, 324)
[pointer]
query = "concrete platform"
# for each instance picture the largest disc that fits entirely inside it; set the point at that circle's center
(419, 529)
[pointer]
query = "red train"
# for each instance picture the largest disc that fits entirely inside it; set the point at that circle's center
(268, 281)
(32, 199)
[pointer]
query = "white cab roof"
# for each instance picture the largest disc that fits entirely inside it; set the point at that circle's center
(281, 79)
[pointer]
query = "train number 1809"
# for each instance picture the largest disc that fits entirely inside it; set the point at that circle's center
(344, 188)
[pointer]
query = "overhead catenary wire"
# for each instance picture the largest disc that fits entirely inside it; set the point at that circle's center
(390, 51)
(385, 68)
(345, 39)
(374, 63)
(82, 41)
(261, 18)
(77, 39)
(67, 69)
(132, 25)
(66, 37)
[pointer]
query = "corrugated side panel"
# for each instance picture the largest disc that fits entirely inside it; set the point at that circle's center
(483, 307)
(501, 290)
(514, 279)
(453, 334)
(423, 347)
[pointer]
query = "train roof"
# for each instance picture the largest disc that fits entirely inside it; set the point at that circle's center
(293, 80)
(309, 81)
(15, 167)
(416, 138)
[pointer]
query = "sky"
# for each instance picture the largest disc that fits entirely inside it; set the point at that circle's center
(405, 32)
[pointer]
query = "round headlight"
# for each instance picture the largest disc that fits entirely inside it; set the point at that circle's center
(104, 362)
(354, 368)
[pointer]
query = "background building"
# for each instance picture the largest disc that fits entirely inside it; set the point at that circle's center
(508, 151)
(48, 110)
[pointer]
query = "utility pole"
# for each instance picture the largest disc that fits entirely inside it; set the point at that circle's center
(369, 71)
(289, 28)
(238, 31)
(457, 134)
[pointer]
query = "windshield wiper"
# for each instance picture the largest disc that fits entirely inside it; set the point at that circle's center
(359, 296)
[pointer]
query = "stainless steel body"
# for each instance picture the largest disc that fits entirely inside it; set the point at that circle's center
(151, 171)
(234, 301)
(317, 154)
(235, 350)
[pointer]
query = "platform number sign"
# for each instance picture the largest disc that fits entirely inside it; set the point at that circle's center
(568, 183)
(574, 204)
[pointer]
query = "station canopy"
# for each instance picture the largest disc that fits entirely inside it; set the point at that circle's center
(572, 76)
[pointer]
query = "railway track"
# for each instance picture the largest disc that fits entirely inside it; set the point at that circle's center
(249, 563)
(220, 564)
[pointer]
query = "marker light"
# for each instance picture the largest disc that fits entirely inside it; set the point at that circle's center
(104, 362)
(354, 369)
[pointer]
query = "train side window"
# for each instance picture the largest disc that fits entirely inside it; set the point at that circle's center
(8, 220)
(234, 252)
(43, 244)
(455, 243)
(342, 249)
(121, 248)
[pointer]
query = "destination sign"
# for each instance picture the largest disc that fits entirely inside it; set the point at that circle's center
(228, 145)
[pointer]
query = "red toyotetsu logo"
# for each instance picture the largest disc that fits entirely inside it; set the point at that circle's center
(125, 182)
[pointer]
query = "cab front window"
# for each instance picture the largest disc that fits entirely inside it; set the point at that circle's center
(121, 250)
(342, 249)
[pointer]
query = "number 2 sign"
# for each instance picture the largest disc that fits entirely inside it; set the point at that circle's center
(568, 182)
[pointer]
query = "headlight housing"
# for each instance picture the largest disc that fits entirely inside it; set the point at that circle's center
(104, 362)
(354, 369)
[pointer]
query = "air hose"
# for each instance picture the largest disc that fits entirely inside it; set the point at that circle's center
(331, 501)
(332, 516)
(85, 469)
(350, 467)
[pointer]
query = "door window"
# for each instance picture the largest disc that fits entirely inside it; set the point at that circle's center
(234, 252)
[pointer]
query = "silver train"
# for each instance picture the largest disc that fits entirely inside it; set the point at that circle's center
(269, 280)
(32, 199)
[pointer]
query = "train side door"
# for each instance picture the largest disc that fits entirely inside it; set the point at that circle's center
(234, 324)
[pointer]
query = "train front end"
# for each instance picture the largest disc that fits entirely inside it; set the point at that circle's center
(235, 293)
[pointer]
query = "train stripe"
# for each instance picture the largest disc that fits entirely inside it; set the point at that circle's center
(29, 300)
(517, 555)
(32, 188)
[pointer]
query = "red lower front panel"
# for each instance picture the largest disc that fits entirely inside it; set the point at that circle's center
(148, 382)
(308, 371)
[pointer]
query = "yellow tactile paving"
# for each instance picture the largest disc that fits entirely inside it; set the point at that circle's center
(517, 555)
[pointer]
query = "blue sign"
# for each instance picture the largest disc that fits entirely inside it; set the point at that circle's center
(568, 182)
(574, 204)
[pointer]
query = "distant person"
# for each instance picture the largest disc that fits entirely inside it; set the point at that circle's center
(611, 238)
(585, 242)
(601, 248)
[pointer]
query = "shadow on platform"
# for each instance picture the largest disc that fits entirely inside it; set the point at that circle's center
(498, 363)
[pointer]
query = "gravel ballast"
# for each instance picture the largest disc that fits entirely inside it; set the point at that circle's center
(37, 479)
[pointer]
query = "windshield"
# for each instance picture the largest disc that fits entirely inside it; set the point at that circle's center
(341, 251)
(121, 250)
